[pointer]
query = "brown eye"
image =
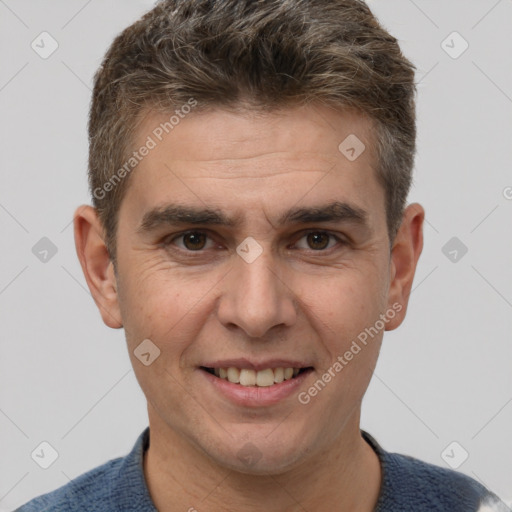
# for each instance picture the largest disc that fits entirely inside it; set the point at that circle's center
(194, 241)
(191, 244)
(318, 240)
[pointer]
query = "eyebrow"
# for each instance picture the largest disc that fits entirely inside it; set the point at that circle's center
(174, 214)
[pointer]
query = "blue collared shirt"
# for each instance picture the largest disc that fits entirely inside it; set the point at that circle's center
(408, 484)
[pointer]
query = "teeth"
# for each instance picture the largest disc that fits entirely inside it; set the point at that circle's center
(265, 378)
(278, 375)
(234, 375)
(262, 378)
(247, 377)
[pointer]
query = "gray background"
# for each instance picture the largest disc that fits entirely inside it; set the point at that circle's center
(444, 376)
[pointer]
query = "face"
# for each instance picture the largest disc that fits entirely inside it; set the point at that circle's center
(253, 243)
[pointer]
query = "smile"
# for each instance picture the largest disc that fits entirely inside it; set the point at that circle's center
(251, 378)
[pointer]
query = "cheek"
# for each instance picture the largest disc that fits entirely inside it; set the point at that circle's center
(352, 339)
(352, 301)
(347, 317)
(165, 305)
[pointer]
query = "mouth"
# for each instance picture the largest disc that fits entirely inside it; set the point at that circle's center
(248, 377)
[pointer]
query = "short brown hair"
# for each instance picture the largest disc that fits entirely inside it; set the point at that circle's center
(260, 54)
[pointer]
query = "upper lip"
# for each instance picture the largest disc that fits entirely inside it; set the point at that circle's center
(243, 363)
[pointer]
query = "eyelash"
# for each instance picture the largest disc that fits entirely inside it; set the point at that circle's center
(168, 242)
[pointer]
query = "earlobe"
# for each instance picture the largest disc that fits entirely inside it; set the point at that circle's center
(97, 265)
(405, 253)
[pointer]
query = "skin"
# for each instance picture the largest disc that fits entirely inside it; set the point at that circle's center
(295, 300)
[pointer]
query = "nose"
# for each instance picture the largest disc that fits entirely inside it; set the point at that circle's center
(257, 296)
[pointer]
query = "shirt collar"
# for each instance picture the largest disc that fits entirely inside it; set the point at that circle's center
(131, 491)
(132, 471)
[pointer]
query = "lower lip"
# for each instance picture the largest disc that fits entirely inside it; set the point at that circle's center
(256, 396)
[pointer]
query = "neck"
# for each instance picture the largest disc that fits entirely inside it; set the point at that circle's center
(347, 477)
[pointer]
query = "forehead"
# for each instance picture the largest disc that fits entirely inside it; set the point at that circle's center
(216, 134)
(242, 161)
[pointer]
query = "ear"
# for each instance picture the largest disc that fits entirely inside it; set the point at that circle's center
(96, 265)
(405, 253)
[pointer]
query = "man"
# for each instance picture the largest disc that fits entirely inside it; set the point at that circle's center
(249, 166)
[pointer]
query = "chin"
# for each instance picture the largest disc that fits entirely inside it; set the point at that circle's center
(254, 455)
(251, 461)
